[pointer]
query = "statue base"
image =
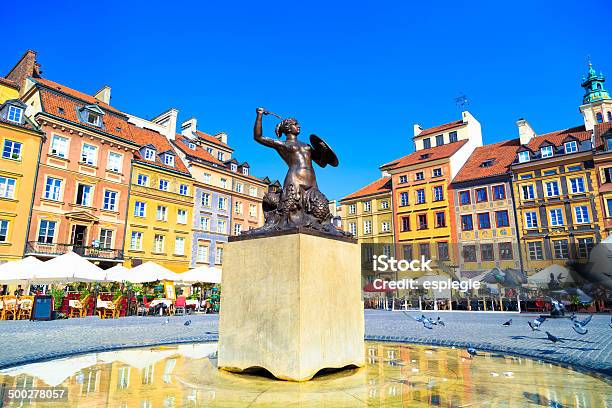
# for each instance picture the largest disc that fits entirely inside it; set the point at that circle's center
(291, 304)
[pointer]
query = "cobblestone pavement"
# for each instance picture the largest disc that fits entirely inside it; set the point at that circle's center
(25, 341)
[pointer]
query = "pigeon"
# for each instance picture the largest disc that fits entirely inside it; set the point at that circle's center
(440, 322)
(553, 338)
(508, 323)
(166, 321)
(586, 321)
(187, 323)
(427, 324)
(610, 322)
(579, 328)
(535, 325)
(472, 352)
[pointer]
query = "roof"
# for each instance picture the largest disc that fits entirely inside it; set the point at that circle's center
(434, 153)
(182, 143)
(440, 128)
(144, 137)
(502, 153)
(557, 137)
(211, 139)
(9, 83)
(602, 130)
(76, 94)
(382, 185)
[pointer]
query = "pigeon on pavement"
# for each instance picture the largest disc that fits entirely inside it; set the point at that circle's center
(508, 323)
(187, 323)
(553, 338)
(535, 325)
(440, 322)
(579, 328)
(586, 321)
(166, 321)
(472, 352)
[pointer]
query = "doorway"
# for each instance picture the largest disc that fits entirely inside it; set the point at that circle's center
(79, 235)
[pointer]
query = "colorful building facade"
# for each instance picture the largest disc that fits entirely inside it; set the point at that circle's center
(603, 168)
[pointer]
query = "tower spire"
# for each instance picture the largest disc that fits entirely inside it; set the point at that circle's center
(593, 85)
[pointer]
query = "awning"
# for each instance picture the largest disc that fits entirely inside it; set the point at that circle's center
(203, 274)
(17, 271)
(68, 267)
(151, 272)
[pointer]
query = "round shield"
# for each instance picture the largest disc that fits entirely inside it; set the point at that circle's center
(322, 154)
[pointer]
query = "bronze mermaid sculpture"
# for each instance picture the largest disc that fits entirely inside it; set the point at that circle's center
(300, 203)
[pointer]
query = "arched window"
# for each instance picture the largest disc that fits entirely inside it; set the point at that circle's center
(598, 86)
(599, 117)
(609, 116)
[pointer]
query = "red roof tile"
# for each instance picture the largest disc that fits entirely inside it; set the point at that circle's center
(9, 83)
(601, 130)
(182, 143)
(424, 155)
(440, 128)
(76, 94)
(212, 139)
(558, 136)
(382, 185)
(502, 153)
(144, 137)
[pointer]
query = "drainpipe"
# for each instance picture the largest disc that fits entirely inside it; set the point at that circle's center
(127, 209)
(40, 146)
(518, 240)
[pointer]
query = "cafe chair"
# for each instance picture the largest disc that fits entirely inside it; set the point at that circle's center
(80, 308)
(25, 307)
(180, 305)
(9, 310)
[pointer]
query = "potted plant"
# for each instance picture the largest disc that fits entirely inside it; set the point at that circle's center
(58, 298)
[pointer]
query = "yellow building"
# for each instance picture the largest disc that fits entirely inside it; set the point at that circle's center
(160, 206)
(20, 141)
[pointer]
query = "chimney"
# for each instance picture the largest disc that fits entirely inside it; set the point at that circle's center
(24, 68)
(526, 133)
(189, 127)
(417, 129)
(222, 137)
(104, 94)
(167, 120)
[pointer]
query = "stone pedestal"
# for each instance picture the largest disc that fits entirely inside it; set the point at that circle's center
(291, 304)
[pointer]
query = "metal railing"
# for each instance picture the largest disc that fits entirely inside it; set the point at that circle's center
(41, 248)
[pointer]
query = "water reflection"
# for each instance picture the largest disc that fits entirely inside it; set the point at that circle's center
(396, 375)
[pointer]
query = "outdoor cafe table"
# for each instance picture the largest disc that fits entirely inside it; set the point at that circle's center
(167, 302)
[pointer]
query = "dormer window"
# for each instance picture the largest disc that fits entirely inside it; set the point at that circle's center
(192, 145)
(424, 156)
(92, 115)
(570, 147)
(523, 156)
(92, 118)
(546, 151)
(234, 167)
(209, 150)
(149, 154)
(609, 143)
(245, 171)
(487, 163)
(169, 160)
(15, 114)
(220, 156)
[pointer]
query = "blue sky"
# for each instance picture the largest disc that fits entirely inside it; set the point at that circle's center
(357, 74)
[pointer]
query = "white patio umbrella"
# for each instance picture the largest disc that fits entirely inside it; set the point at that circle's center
(68, 267)
(117, 273)
(53, 373)
(17, 271)
(151, 272)
(203, 274)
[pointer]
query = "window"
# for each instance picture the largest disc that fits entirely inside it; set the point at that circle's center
(222, 227)
(222, 203)
(407, 250)
(53, 188)
(439, 140)
(163, 185)
(443, 253)
(110, 200)
(367, 206)
(367, 227)
(440, 219)
(159, 243)
(403, 179)
(576, 167)
(179, 246)
(89, 154)
(560, 249)
(220, 156)
(219, 255)
(245, 171)
(585, 245)
(253, 191)
(209, 150)
(546, 151)
(237, 229)
(469, 253)
(114, 162)
(239, 187)
(599, 117)
(549, 172)
(534, 249)
(252, 210)
(501, 219)
(609, 143)
(570, 147)
(528, 192)
(84, 195)
(452, 137)
(181, 216)
(419, 176)
(405, 224)
(505, 251)
(486, 252)
(484, 221)
(233, 167)
(556, 217)
(223, 183)
(59, 146)
(464, 197)
(577, 185)
(582, 214)
(384, 205)
(438, 193)
(425, 250)
(609, 204)
(139, 209)
(481, 195)
(149, 154)
(205, 200)
(7, 187)
(352, 228)
(467, 222)
(11, 150)
(499, 192)
(142, 180)
(531, 219)
(169, 160)
(183, 189)
(487, 163)
(523, 156)
(609, 116)
(106, 238)
(437, 172)
(136, 241)
(191, 145)
(403, 199)
(206, 178)
(202, 254)
(204, 223)
(385, 226)
(92, 118)
(238, 207)
(525, 176)
(14, 114)
(4, 224)
(420, 196)
(422, 218)
(426, 143)
(552, 188)
(352, 208)
(46, 232)
(162, 213)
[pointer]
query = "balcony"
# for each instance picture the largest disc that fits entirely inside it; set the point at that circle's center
(89, 252)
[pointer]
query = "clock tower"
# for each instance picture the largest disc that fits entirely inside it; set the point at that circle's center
(596, 104)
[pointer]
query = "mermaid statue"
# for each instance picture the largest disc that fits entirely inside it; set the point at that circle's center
(299, 204)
